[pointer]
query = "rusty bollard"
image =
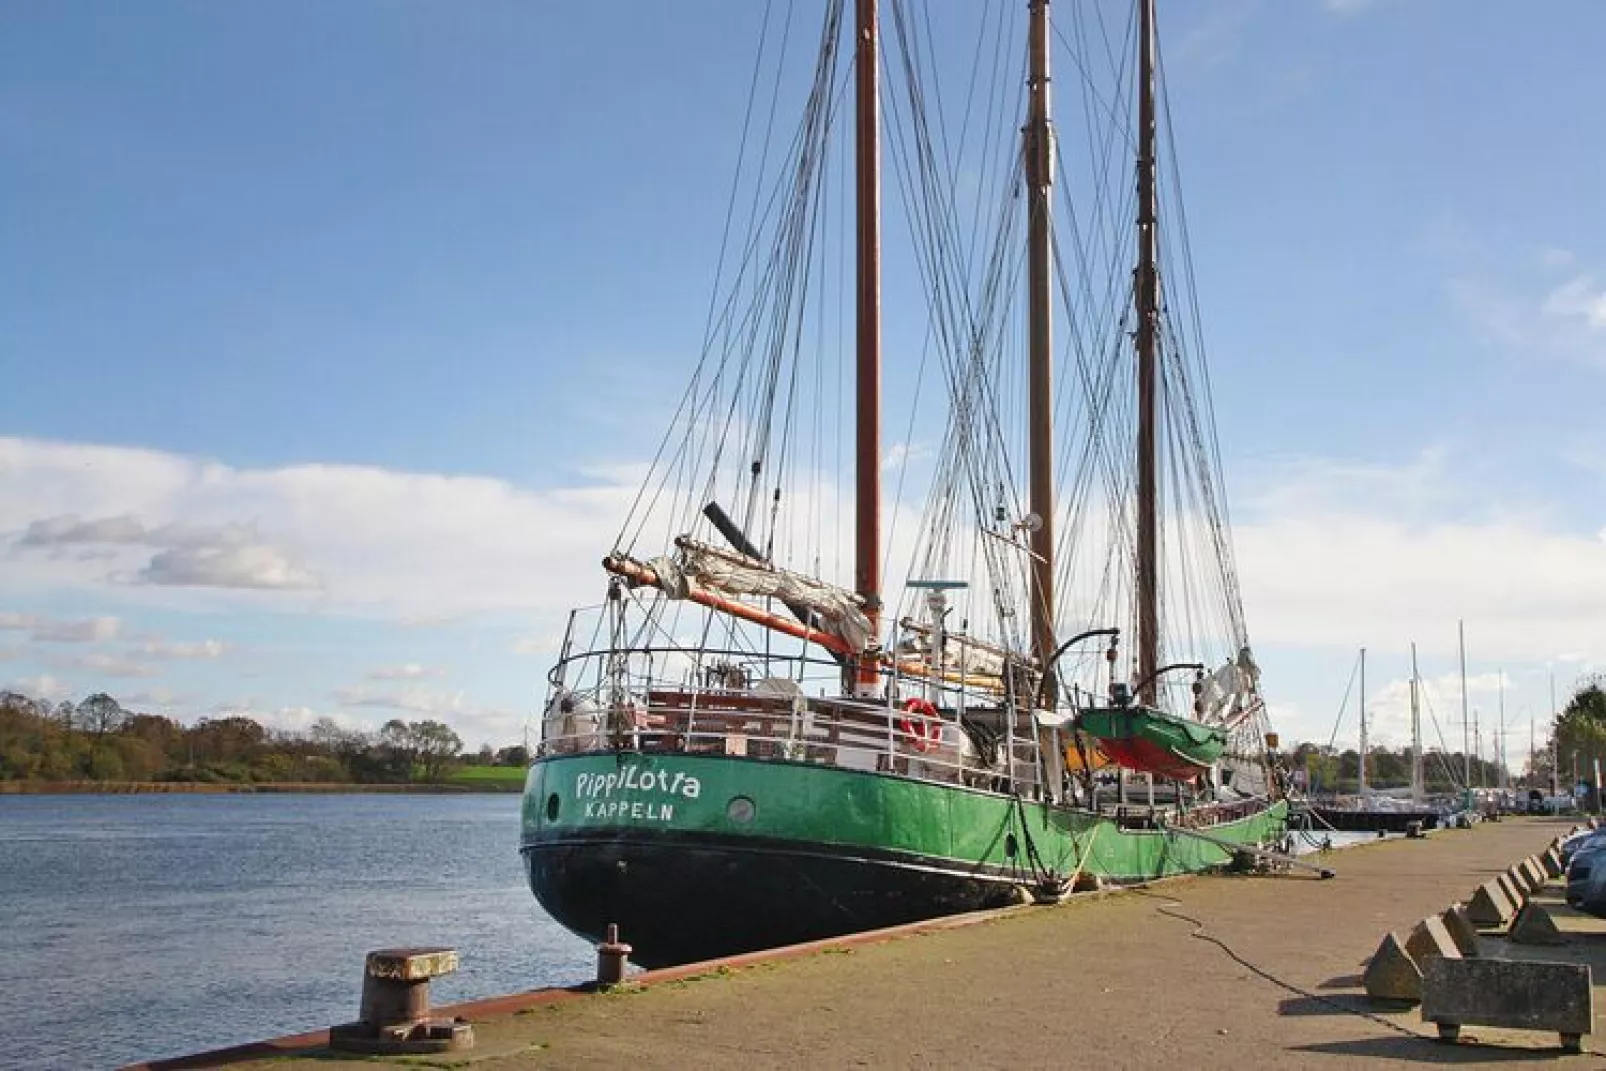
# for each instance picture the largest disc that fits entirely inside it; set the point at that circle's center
(395, 1006)
(611, 956)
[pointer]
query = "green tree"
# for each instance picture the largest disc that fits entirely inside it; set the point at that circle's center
(99, 714)
(1581, 733)
(436, 745)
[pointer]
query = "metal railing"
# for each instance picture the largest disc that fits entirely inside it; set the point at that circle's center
(664, 699)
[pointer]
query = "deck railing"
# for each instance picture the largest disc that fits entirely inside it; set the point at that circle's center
(622, 698)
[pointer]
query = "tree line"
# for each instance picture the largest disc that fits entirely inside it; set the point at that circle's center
(98, 739)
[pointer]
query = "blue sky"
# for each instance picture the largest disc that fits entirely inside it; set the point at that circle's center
(356, 310)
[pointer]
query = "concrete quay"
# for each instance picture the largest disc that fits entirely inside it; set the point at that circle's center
(1220, 971)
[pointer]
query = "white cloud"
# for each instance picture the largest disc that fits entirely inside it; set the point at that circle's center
(1579, 298)
(152, 697)
(262, 567)
(479, 724)
(43, 686)
(1528, 311)
(69, 528)
(408, 672)
(85, 630)
(103, 664)
(179, 649)
(377, 542)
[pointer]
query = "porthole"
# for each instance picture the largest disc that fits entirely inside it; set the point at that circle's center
(740, 810)
(552, 807)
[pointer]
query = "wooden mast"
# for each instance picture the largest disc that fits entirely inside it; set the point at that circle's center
(867, 529)
(1147, 288)
(1038, 150)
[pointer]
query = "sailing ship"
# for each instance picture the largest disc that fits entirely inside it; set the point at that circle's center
(739, 752)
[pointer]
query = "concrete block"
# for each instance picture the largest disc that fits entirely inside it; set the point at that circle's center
(1513, 994)
(1519, 878)
(1430, 938)
(1534, 926)
(1514, 895)
(1460, 929)
(1490, 906)
(1392, 974)
(1550, 859)
(1535, 872)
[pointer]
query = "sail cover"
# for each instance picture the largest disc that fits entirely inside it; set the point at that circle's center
(732, 574)
(1231, 692)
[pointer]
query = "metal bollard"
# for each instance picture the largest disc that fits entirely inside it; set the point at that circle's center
(395, 1006)
(611, 956)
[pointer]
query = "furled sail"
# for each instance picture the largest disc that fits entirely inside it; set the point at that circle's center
(1232, 692)
(839, 610)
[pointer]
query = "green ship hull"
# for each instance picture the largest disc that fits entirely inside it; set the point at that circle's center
(698, 856)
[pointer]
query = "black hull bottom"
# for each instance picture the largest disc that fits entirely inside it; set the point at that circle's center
(678, 901)
(1372, 821)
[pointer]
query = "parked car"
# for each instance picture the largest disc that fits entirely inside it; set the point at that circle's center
(1588, 840)
(1586, 882)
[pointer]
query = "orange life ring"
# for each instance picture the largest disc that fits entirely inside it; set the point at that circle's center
(924, 732)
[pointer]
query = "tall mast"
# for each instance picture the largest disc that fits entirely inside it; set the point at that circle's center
(1147, 286)
(1466, 740)
(1416, 734)
(1363, 723)
(1555, 757)
(867, 534)
(1500, 746)
(1038, 149)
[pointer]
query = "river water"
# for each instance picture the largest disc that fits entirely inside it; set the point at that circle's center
(136, 927)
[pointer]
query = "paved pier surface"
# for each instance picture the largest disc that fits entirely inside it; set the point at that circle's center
(1113, 981)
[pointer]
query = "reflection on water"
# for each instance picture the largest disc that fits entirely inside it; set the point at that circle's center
(145, 926)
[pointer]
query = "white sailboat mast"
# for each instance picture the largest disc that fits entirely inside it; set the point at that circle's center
(1363, 724)
(1417, 788)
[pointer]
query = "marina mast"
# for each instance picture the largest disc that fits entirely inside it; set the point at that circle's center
(1147, 287)
(1038, 149)
(1362, 792)
(1466, 739)
(1416, 734)
(867, 144)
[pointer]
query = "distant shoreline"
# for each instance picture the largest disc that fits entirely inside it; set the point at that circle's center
(142, 788)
